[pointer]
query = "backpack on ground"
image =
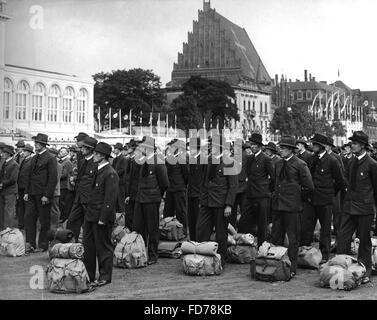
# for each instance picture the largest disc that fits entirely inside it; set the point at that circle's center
(171, 229)
(67, 251)
(200, 265)
(12, 243)
(67, 276)
(309, 257)
(130, 252)
(118, 233)
(169, 249)
(241, 253)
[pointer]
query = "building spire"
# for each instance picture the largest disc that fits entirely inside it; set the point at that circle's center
(206, 5)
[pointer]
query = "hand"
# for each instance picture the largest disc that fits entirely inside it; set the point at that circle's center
(127, 201)
(45, 200)
(100, 223)
(26, 197)
(1, 186)
(227, 211)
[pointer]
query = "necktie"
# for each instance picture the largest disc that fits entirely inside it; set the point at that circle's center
(82, 170)
(284, 171)
(36, 161)
(316, 160)
(354, 167)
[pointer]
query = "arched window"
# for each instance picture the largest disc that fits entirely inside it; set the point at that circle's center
(53, 104)
(38, 102)
(21, 100)
(309, 95)
(8, 88)
(300, 95)
(68, 97)
(82, 104)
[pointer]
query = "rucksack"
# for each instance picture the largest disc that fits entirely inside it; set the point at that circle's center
(118, 233)
(130, 252)
(199, 265)
(12, 243)
(67, 251)
(171, 229)
(309, 257)
(67, 275)
(169, 249)
(241, 253)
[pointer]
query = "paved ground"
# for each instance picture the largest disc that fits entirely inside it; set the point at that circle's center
(166, 280)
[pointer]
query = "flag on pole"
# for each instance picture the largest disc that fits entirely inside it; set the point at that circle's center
(115, 115)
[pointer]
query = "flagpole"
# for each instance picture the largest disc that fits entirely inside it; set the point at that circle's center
(159, 124)
(99, 119)
(110, 116)
(167, 124)
(150, 124)
(120, 120)
(130, 122)
(141, 123)
(175, 123)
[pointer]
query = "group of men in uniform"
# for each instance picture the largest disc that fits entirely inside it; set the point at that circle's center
(277, 192)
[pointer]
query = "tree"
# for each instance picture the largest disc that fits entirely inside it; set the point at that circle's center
(135, 89)
(206, 100)
(338, 129)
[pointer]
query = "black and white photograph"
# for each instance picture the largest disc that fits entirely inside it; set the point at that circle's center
(187, 154)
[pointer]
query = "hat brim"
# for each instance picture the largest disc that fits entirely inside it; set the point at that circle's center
(268, 148)
(317, 142)
(31, 151)
(302, 142)
(257, 142)
(40, 141)
(88, 146)
(358, 140)
(105, 154)
(288, 145)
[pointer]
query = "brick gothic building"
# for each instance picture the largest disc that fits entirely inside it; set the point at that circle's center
(219, 49)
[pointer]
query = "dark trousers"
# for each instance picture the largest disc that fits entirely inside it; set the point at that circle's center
(129, 216)
(76, 218)
(256, 211)
(362, 224)
(240, 202)
(20, 208)
(120, 206)
(34, 211)
(308, 222)
(176, 205)
(336, 213)
(193, 212)
(65, 203)
(284, 222)
(8, 211)
(213, 217)
(97, 244)
(146, 223)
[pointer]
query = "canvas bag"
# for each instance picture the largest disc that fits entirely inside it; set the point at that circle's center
(67, 276)
(199, 265)
(171, 229)
(119, 219)
(12, 243)
(241, 253)
(67, 251)
(309, 257)
(118, 233)
(169, 249)
(130, 252)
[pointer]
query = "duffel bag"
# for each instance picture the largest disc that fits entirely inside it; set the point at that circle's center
(271, 269)
(309, 257)
(67, 251)
(60, 235)
(130, 252)
(169, 249)
(67, 276)
(244, 239)
(118, 233)
(12, 243)
(171, 229)
(241, 253)
(199, 265)
(208, 248)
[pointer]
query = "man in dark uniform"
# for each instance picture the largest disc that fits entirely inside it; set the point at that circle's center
(8, 189)
(67, 194)
(83, 184)
(22, 181)
(217, 194)
(302, 152)
(120, 166)
(359, 202)
(328, 180)
(19, 157)
(152, 183)
(79, 142)
(40, 192)
(260, 184)
(293, 183)
(194, 182)
(272, 152)
(176, 194)
(100, 216)
(347, 154)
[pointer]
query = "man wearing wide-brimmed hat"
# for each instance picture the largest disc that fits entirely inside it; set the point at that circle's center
(359, 202)
(79, 143)
(302, 152)
(40, 192)
(272, 151)
(83, 183)
(120, 166)
(260, 182)
(328, 180)
(8, 189)
(22, 182)
(18, 157)
(347, 153)
(293, 183)
(100, 216)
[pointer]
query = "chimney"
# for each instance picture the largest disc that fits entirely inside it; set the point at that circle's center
(290, 80)
(310, 77)
(313, 79)
(276, 79)
(306, 75)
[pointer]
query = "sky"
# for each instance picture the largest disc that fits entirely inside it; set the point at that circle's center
(83, 37)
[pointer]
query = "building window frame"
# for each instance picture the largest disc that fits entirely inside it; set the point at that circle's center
(82, 106)
(300, 95)
(22, 101)
(309, 95)
(7, 98)
(68, 103)
(38, 102)
(53, 103)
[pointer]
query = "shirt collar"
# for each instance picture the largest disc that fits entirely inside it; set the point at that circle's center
(42, 152)
(102, 165)
(322, 154)
(362, 156)
(89, 158)
(62, 159)
(288, 158)
(9, 159)
(258, 153)
(301, 152)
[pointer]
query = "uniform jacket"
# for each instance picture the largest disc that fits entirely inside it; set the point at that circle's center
(152, 183)
(327, 179)
(120, 166)
(43, 175)
(221, 190)
(178, 175)
(133, 180)
(67, 172)
(289, 191)
(260, 176)
(242, 177)
(339, 159)
(275, 159)
(8, 177)
(24, 173)
(18, 158)
(103, 195)
(361, 201)
(195, 180)
(346, 160)
(85, 175)
(306, 156)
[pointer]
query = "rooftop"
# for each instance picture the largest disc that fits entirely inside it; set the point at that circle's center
(40, 70)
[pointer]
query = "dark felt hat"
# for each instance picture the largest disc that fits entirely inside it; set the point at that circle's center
(41, 138)
(118, 146)
(81, 136)
(256, 138)
(330, 142)
(288, 141)
(29, 148)
(303, 141)
(104, 148)
(20, 144)
(8, 149)
(53, 151)
(89, 142)
(319, 139)
(361, 137)
(271, 146)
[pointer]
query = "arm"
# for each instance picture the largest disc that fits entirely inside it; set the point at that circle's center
(52, 178)
(269, 167)
(306, 181)
(339, 182)
(111, 192)
(12, 179)
(162, 177)
(373, 170)
(232, 190)
(185, 172)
